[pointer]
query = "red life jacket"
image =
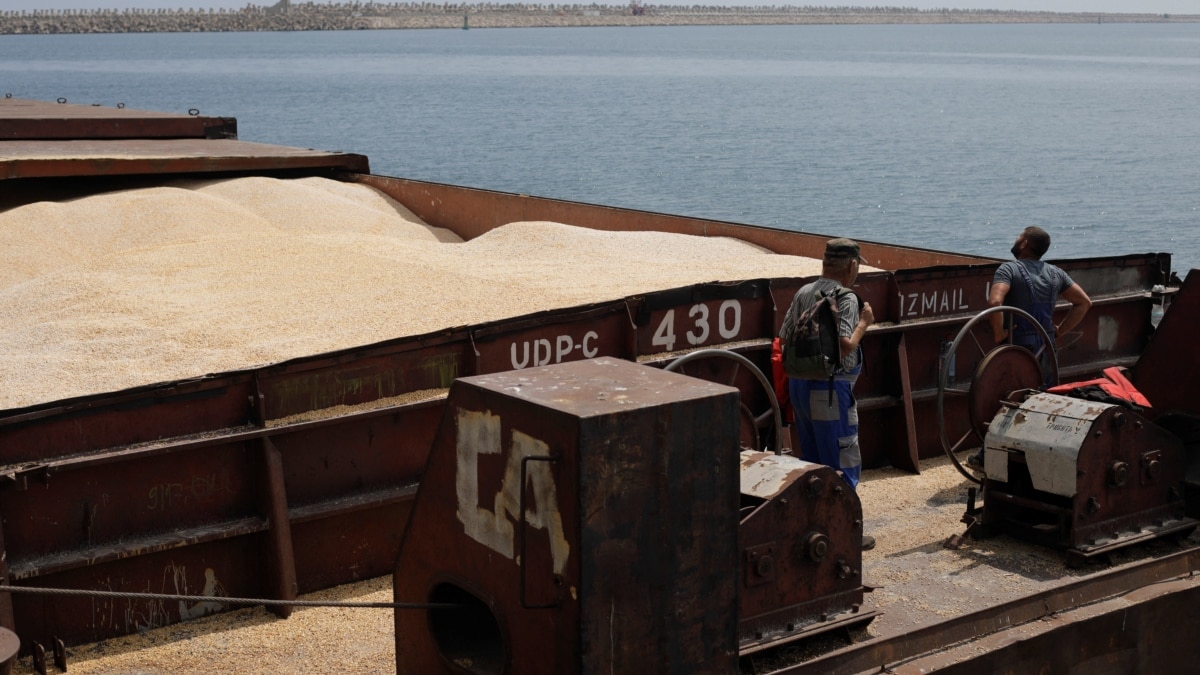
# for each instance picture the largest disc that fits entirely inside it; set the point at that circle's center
(1114, 383)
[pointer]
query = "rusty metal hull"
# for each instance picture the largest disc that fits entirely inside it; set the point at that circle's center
(175, 485)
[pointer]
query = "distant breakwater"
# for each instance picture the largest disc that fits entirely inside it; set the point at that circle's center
(288, 16)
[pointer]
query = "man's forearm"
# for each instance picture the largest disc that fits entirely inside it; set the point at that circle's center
(996, 298)
(997, 320)
(1074, 316)
(849, 344)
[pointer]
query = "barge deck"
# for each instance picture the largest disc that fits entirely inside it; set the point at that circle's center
(298, 476)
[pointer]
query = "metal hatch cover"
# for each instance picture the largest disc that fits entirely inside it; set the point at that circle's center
(45, 140)
(599, 386)
(1050, 430)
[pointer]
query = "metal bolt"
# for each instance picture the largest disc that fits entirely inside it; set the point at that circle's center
(1118, 474)
(765, 566)
(816, 546)
(843, 570)
(815, 486)
(1153, 468)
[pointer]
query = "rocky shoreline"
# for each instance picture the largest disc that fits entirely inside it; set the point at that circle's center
(286, 16)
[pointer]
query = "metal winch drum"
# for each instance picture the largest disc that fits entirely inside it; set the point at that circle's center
(1086, 476)
(800, 543)
(1082, 475)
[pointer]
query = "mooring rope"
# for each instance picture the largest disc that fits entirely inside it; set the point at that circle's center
(228, 601)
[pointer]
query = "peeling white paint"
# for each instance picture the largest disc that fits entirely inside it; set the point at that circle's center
(479, 433)
(766, 475)
(543, 513)
(212, 589)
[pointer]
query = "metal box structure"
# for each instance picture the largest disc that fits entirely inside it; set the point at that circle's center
(585, 517)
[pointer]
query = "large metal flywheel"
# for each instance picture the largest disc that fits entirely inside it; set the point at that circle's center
(725, 367)
(1001, 370)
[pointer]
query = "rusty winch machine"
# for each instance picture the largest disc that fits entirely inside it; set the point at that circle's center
(600, 516)
(1080, 467)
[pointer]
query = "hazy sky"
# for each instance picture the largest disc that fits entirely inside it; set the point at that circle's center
(1156, 6)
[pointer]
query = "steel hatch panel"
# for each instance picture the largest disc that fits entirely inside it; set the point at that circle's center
(29, 119)
(598, 386)
(56, 158)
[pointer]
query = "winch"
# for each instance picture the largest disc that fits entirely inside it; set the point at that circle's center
(1082, 467)
(800, 539)
(1082, 475)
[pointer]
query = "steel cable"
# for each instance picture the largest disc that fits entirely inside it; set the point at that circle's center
(228, 601)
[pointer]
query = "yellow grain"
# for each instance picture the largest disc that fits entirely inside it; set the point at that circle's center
(150, 285)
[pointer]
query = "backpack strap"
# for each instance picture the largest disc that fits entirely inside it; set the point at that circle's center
(839, 293)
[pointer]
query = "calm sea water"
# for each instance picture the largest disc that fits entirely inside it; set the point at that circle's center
(946, 137)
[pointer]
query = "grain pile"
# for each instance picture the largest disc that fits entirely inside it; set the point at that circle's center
(150, 285)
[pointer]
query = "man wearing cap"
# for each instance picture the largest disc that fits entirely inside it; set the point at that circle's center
(827, 426)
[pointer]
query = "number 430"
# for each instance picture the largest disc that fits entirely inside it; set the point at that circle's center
(729, 324)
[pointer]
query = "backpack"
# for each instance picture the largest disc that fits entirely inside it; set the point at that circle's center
(812, 348)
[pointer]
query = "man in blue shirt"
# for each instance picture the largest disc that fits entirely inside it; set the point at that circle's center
(1030, 284)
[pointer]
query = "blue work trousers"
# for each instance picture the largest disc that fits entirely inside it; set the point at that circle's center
(827, 427)
(1034, 343)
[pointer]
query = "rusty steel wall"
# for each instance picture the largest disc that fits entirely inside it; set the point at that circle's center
(1168, 372)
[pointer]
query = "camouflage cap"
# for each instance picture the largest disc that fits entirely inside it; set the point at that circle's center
(842, 248)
